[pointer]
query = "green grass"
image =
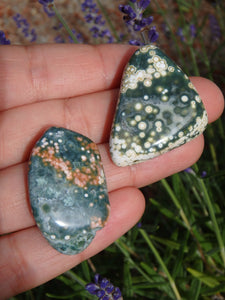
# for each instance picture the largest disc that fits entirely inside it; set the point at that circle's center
(179, 251)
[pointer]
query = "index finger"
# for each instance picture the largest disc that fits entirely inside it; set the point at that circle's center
(42, 72)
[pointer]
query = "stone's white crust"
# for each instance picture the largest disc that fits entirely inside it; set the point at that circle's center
(171, 69)
(142, 135)
(198, 99)
(131, 157)
(148, 109)
(133, 122)
(138, 106)
(146, 48)
(83, 157)
(142, 125)
(118, 128)
(193, 104)
(147, 82)
(164, 98)
(158, 68)
(184, 98)
(138, 118)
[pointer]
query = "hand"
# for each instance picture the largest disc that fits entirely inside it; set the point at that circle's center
(76, 87)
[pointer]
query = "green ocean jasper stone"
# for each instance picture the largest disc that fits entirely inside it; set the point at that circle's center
(158, 109)
(67, 188)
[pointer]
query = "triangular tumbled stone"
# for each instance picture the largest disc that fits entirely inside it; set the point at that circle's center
(158, 109)
(67, 188)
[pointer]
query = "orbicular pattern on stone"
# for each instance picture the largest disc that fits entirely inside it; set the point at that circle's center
(67, 188)
(158, 109)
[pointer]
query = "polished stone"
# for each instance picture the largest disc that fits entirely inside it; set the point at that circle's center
(67, 188)
(158, 110)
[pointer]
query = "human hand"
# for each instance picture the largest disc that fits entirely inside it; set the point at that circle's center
(75, 87)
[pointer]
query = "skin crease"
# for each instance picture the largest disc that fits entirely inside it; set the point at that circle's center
(76, 87)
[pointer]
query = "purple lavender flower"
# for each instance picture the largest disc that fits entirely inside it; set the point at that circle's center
(153, 34)
(193, 30)
(45, 2)
(3, 39)
(89, 18)
(215, 27)
(90, 6)
(128, 10)
(99, 21)
(103, 289)
(133, 17)
(180, 34)
(190, 171)
(203, 174)
(58, 26)
(24, 26)
(33, 35)
(107, 33)
(136, 43)
(95, 21)
(48, 11)
(95, 31)
(78, 35)
(139, 225)
(59, 39)
(188, 33)
(143, 4)
(46, 7)
(166, 30)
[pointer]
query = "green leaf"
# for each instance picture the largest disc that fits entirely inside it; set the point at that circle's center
(86, 270)
(60, 297)
(206, 279)
(212, 291)
(195, 286)
(158, 281)
(168, 243)
(184, 5)
(178, 264)
(166, 212)
(127, 279)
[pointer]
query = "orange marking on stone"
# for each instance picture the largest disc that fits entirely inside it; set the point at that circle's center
(96, 222)
(92, 146)
(80, 177)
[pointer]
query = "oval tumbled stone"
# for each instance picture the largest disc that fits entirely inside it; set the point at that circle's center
(67, 189)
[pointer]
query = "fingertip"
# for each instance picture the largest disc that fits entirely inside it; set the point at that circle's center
(211, 96)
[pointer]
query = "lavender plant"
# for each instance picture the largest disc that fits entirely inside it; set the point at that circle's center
(215, 28)
(137, 22)
(103, 289)
(3, 39)
(23, 25)
(97, 24)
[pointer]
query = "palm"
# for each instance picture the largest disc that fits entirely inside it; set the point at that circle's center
(75, 87)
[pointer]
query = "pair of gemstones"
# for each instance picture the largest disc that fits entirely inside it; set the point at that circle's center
(158, 110)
